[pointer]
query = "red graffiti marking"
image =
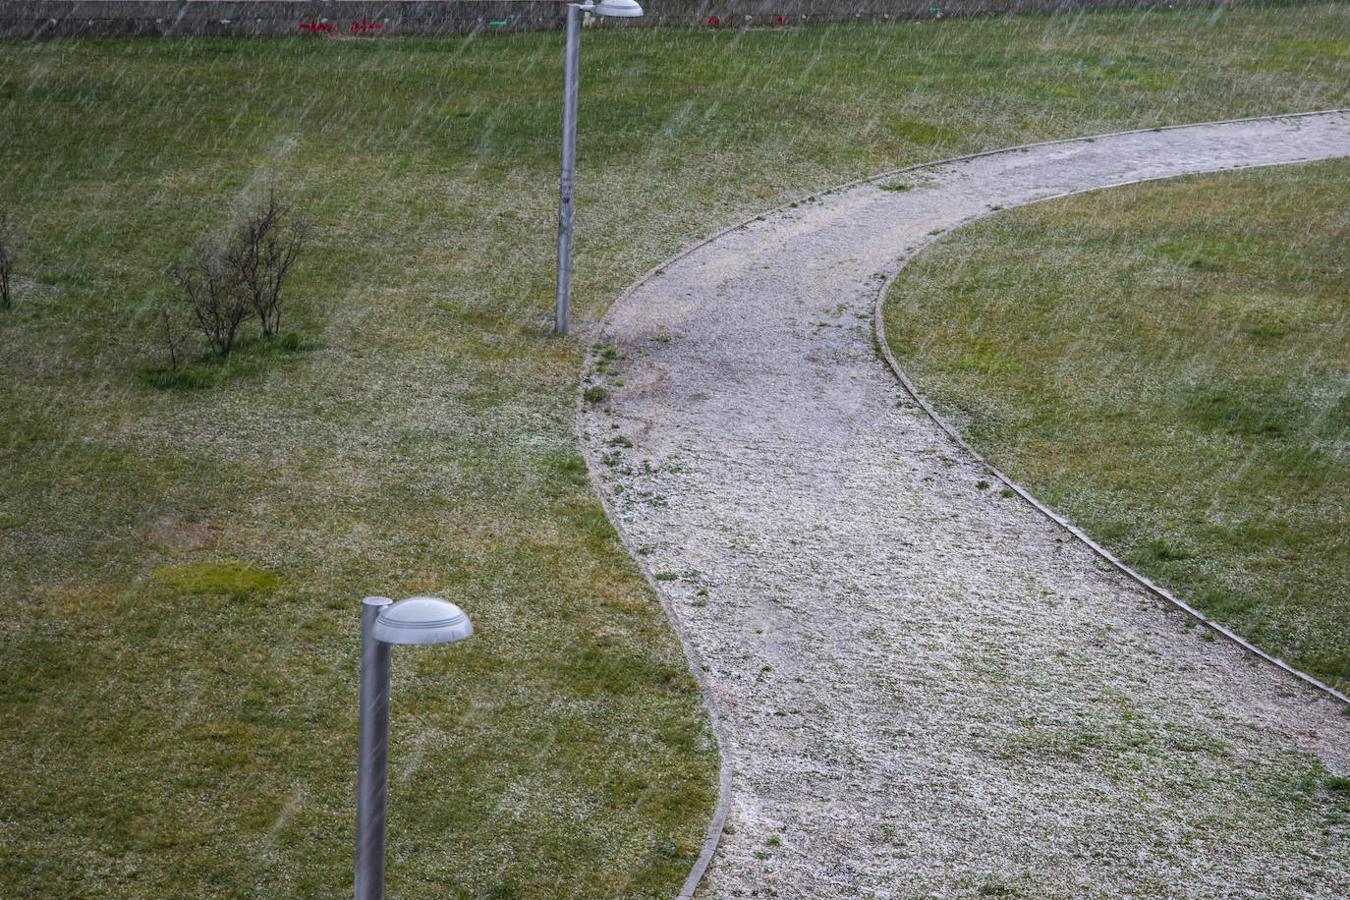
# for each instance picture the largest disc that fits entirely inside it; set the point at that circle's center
(714, 21)
(364, 26)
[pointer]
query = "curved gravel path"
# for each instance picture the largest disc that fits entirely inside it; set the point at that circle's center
(922, 687)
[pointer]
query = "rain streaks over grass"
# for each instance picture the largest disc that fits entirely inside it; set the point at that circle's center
(1169, 366)
(180, 570)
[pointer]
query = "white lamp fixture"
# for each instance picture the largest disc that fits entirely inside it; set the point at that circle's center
(620, 9)
(422, 620)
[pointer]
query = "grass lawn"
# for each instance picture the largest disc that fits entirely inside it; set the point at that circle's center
(181, 568)
(1168, 365)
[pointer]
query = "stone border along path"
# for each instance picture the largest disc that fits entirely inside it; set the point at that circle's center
(921, 687)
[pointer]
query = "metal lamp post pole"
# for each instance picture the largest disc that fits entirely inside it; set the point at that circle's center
(372, 777)
(416, 620)
(571, 77)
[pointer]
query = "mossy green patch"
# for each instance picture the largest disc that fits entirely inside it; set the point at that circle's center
(235, 579)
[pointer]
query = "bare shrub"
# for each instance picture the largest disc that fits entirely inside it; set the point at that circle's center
(214, 295)
(260, 253)
(8, 239)
(172, 335)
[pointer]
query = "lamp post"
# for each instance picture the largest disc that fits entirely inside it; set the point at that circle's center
(623, 9)
(416, 620)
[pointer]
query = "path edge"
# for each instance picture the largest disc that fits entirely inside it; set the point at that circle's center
(1157, 590)
(695, 660)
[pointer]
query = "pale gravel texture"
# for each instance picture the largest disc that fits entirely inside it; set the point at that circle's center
(925, 688)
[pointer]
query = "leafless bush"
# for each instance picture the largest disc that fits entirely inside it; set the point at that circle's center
(214, 295)
(172, 335)
(260, 253)
(8, 239)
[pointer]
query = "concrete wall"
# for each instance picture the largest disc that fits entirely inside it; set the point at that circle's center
(370, 18)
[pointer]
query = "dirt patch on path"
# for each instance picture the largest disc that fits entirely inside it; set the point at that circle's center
(924, 687)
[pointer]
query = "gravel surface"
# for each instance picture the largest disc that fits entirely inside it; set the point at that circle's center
(924, 687)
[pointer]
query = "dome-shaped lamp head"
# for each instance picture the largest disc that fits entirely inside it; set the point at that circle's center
(422, 620)
(621, 9)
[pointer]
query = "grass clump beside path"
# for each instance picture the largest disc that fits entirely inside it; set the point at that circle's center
(180, 570)
(1169, 365)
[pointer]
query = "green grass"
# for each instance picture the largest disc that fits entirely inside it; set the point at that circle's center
(1168, 365)
(181, 560)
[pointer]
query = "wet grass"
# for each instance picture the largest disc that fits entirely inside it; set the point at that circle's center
(1168, 365)
(181, 560)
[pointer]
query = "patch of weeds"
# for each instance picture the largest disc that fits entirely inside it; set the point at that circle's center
(250, 357)
(1266, 330)
(1162, 550)
(665, 576)
(292, 342)
(667, 849)
(1224, 604)
(1007, 493)
(595, 395)
(619, 441)
(774, 841)
(982, 484)
(570, 467)
(897, 186)
(188, 378)
(1333, 663)
(1200, 264)
(1246, 409)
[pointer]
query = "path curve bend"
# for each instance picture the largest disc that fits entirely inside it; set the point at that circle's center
(921, 687)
